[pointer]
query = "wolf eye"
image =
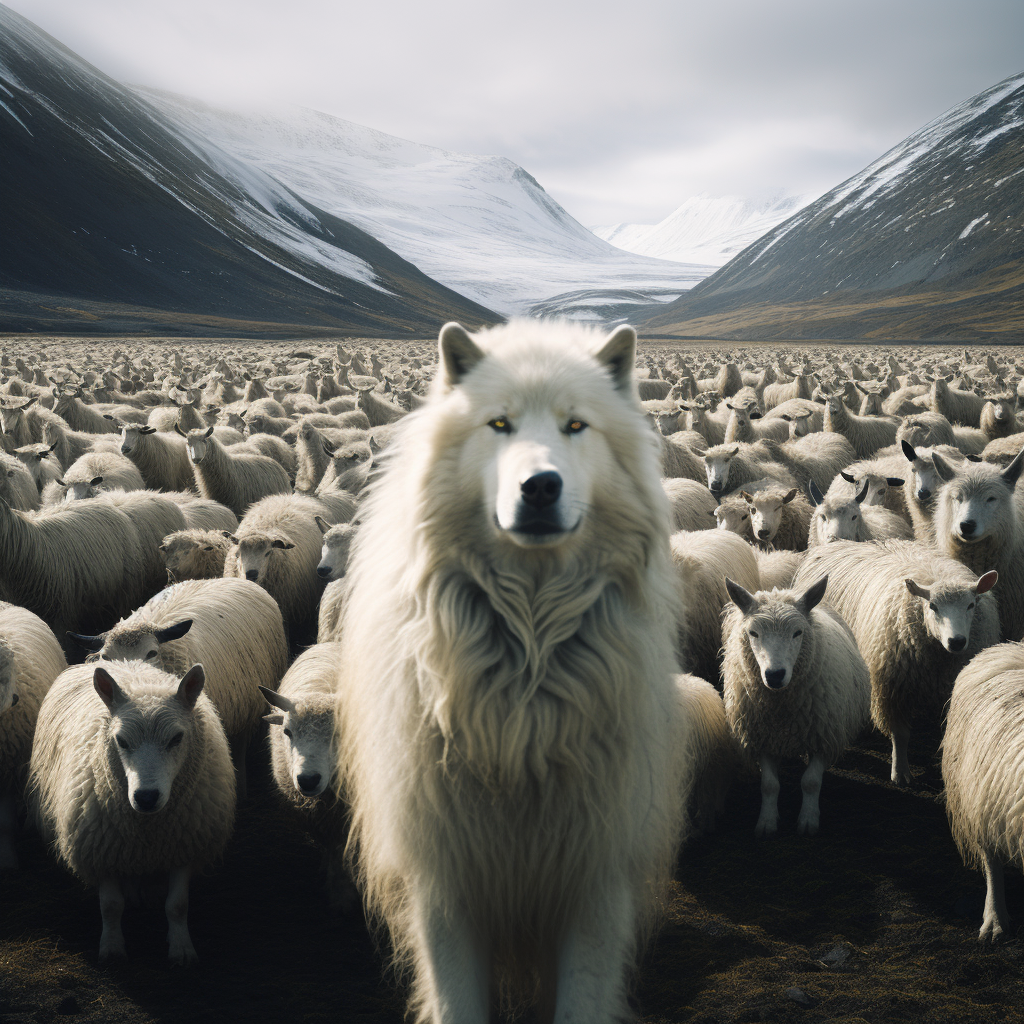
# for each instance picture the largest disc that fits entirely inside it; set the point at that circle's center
(175, 740)
(501, 425)
(575, 427)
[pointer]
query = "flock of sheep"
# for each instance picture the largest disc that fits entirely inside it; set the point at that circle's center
(173, 529)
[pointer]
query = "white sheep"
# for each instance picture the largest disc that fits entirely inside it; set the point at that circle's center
(733, 513)
(693, 505)
(162, 458)
(235, 478)
(779, 517)
(39, 460)
(963, 407)
(336, 547)
(818, 457)
(982, 767)
(746, 424)
(795, 684)
(866, 433)
(17, 485)
(701, 562)
(978, 521)
(730, 466)
(195, 554)
(999, 416)
(303, 756)
(921, 485)
(30, 660)
(131, 777)
(94, 472)
(838, 518)
(918, 617)
(1002, 450)
(231, 626)
(778, 569)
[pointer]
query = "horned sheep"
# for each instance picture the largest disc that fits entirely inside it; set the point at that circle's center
(162, 458)
(918, 617)
(130, 777)
(795, 684)
(838, 517)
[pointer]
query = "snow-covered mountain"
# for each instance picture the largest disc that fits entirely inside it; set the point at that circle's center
(481, 225)
(926, 241)
(705, 229)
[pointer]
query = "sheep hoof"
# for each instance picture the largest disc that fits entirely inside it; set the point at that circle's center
(766, 830)
(807, 826)
(182, 953)
(112, 950)
(991, 929)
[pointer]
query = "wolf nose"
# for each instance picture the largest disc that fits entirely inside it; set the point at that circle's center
(957, 643)
(145, 799)
(542, 489)
(967, 527)
(308, 782)
(774, 676)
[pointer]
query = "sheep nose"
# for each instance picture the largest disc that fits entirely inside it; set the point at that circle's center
(957, 643)
(923, 494)
(774, 676)
(967, 527)
(541, 490)
(323, 571)
(308, 781)
(763, 534)
(252, 574)
(145, 799)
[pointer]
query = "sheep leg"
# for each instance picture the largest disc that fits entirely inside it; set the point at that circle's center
(181, 950)
(768, 820)
(810, 783)
(111, 908)
(997, 919)
(590, 986)
(452, 969)
(239, 746)
(8, 821)
(900, 761)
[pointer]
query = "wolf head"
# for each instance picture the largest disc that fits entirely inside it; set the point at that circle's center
(541, 424)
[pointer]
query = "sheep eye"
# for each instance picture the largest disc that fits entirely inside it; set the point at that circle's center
(993, 498)
(288, 733)
(150, 654)
(932, 606)
(799, 632)
(175, 740)
(744, 517)
(853, 518)
(121, 743)
(575, 427)
(753, 634)
(501, 425)
(970, 606)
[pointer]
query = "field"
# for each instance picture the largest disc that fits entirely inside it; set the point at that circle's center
(873, 920)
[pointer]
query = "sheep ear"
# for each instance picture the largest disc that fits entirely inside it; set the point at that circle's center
(746, 497)
(715, 513)
(458, 353)
(816, 496)
(277, 700)
(790, 495)
(947, 472)
(175, 632)
(89, 643)
(848, 477)
(908, 450)
(812, 595)
(178, 430)
(106, 686)
(322, 523)
(274, 719)
(785, 416)
(618, 355)
(894, 481)
(917, 590)
(208, 432)
(743, 599)
(1012, 471)
(191, 685)
(96, 481)
(986, 582)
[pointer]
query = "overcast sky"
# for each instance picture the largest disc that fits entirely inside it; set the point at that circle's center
(621, 110)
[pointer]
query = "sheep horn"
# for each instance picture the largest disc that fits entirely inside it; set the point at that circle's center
(89, 643)
(277, 700)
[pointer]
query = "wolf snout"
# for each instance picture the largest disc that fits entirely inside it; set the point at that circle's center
(541, 490)
(967, 527)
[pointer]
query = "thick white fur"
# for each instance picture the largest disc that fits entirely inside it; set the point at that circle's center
(510, 724)
(982, 765)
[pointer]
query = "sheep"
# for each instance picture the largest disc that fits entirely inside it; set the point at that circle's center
(729, 466)
(978, 522)
(803, 417)
(711, 746)
(679, 460)
(885, 478)
(30, 660)
(726, 382)
(962, 407)
(231, 626)
(337, 543)
(17, 486)
(312, 457)
(77, 566)
(901, 401)
(236, 480)
(795, 684)
(39, 461)
(776, 394)
(693, 505)
(918, 617)
(277, 545)
(779, 517)
(743, 427)
(195, 554)
(999, 416)
(273, 448)
(778, 569)
(1003, 450)
(818, 457)
(649, 390)
(709, 424)
(701, 562)
(866, 433)
(94, 472)
(70, 445)
(921, 486)
(925, 428)
(303, 757)
(839, 518)
(982, 762)
(136, 783)
(79, 416)
(351, 467)
(162, 458)
(24, 421)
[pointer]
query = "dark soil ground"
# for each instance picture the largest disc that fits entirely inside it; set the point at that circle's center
(874, 920)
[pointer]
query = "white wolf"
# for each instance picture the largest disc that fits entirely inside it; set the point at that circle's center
(512, 741)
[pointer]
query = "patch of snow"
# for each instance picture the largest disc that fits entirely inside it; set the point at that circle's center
(974, 223)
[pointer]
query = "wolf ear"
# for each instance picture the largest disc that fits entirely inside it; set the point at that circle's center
(458, 353)
(618, 354)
